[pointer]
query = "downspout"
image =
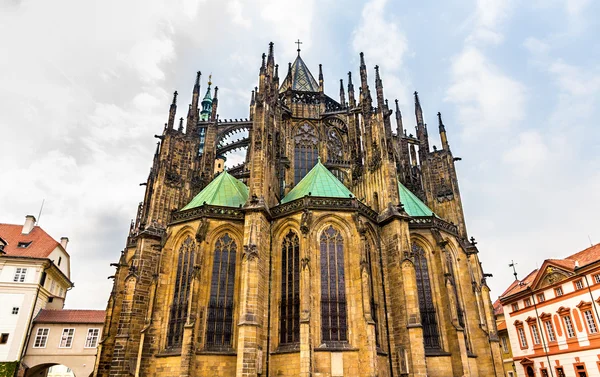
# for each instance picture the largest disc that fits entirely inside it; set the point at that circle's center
(29, 322)
(387, 325)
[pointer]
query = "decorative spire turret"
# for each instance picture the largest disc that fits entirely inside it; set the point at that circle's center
(172, 111)
(215, 104)
(399, 125)
(379, 89)
(342, 93)
(442, 130)
(321, 89)
(180, 128)
(418, 110)
(351, 99)
(192, 116)
(206, 102)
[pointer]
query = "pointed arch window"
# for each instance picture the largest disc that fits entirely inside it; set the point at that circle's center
(306, 151)
(290, 290)
(333, 292)
(431, 337)
(219, 327)
(179, 306)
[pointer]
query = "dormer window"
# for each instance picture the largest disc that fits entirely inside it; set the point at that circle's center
(22, 245)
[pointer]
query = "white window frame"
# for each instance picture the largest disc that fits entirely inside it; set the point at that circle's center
(91, 340)
(522, 337)
(591, 323)
(41, 337)
(569, 326)
(536, 334)
(597, 278)
(68, 334)
(579, 284)
(20, 274)
(550, 331)
(558, 291)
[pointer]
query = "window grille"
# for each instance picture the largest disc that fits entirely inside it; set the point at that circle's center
(41, 338)
(219, 327)
(550, 331)
(179, 306)
(589, 319)
(431, 337)
(306, 151)
(569, 326)
(522, 337)
(91, 340)
(20, 274)
(333, 293)
(290, 290)
(536, 334)
(66, 340)
(504, 344)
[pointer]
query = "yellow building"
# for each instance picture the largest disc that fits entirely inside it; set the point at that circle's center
(505, 348)
(337, 249)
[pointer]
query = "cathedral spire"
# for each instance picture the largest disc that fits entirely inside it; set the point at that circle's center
(271, 59)
(399, 126)
(172, 111)
(207, 102)
(180, 128)
(192, 116)
(421, 129)
(418, 110)
(442, 130)
(363, 73)
(342, 93)
(351, 99)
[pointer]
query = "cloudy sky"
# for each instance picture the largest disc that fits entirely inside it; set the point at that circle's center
(84, 86)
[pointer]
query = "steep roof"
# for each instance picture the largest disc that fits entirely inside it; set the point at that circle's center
(318, 182)
(225, 190)
(412, 204)
(70, 316)
(40, 243)
(299, 78)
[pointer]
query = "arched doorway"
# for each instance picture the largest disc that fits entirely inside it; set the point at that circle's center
(49, 370)
(530, 372)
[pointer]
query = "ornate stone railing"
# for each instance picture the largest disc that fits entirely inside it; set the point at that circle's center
(427, 222)
(323, 203)
(206, 210)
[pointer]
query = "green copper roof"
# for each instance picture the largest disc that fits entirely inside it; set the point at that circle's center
(224, 190)
(318, 182)
(299, 78)
(412, 204)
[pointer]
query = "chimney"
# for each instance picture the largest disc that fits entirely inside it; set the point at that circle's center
(63, 242)
(29, 224)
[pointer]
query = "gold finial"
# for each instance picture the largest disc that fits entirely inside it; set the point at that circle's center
(210, 79)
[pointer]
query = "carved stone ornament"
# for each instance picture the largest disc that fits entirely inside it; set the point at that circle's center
(172, 178)
(202, 230)
(250, 252)
(376, 160)
(305, 263)
(360, 226)
(306, 221)
(197, 182)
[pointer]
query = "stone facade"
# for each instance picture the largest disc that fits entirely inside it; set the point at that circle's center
(410, 298)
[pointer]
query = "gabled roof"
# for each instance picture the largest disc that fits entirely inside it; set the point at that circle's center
(40, 243)
(412, 204)
(70, 316)
(567, 265)
(225, 190)
(318, 182)
(299, 78)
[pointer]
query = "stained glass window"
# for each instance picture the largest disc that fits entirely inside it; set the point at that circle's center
(290, 289)
(333, 294)
(426, 307)
(306, 151)
(220, 305)
(179, 306)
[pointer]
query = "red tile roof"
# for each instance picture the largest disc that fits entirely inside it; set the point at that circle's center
(497, 307)
(41, 243)
(584, 257)
(501, 325)
(70, 316)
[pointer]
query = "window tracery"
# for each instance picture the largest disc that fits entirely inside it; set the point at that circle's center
(335, 146)
(306, 151)
(179, 306)
(290, 290)
(431, 337)
(219, 327)
(333, 293)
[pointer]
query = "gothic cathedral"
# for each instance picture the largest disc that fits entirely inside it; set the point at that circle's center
(337, 248)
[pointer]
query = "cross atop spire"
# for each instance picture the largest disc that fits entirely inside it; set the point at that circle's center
(298, 43)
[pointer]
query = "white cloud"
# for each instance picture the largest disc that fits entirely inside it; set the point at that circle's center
(487, 99)
(489, 16)
(528, 152)
(536, 46)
